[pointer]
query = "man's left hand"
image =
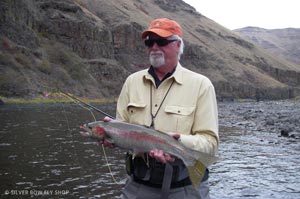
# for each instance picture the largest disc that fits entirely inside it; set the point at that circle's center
(160, 155)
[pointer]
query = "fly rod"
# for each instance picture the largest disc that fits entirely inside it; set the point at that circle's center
(88, 105)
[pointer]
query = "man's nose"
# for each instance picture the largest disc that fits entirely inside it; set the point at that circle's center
(155, 46)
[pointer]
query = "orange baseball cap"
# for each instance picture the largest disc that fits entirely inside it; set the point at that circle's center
(163, 27)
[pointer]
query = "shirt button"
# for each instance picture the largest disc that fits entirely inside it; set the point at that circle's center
(178, 111)
(155, 105)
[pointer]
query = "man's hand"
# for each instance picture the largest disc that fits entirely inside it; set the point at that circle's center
(107, 119)
(160, 155)
(105, 142)
(176, 136)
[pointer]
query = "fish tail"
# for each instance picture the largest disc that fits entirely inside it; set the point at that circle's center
(196, 173)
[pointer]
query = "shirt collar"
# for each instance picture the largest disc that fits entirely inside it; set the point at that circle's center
(156, 79)
(176, 74)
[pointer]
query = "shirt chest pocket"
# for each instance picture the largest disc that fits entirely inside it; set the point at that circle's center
(181, 118)
(136, 112)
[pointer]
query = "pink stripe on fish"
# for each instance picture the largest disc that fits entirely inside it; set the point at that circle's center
(141, 137)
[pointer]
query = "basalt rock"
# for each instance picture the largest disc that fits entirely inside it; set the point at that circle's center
(90, 47)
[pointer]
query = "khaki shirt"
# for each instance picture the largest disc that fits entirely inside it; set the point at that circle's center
(189, 108)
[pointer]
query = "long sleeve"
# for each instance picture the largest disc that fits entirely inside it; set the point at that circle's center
(205, 136)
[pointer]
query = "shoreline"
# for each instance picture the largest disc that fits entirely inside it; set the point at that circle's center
(65, 99)
(57, 98)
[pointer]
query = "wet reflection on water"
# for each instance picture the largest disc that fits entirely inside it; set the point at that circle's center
(256, 165)
(41, 149)
(43, 154)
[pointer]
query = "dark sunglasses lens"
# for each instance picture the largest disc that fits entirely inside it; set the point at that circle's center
(149, 42)
(160, 42)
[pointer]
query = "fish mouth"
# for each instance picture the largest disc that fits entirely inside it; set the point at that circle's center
(85, 134)
(92, 131)
(87, 130)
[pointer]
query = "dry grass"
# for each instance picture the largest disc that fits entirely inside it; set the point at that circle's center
(54, 98)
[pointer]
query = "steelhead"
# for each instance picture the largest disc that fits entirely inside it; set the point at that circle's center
(142, 139)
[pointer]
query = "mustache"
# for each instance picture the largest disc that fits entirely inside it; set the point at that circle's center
(152, 53)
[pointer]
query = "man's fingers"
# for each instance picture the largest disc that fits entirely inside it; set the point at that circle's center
(107, 119)
(160, 156)
(176, 136)
(169, 158)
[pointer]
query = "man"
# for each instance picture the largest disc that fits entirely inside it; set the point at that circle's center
(170, 99)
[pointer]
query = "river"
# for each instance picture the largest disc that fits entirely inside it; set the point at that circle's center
(44, 156)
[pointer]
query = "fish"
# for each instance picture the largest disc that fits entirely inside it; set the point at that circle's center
(138, 139)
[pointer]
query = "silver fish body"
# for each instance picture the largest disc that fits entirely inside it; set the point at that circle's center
(142, 139)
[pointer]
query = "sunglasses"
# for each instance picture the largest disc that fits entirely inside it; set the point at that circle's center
(160, 42)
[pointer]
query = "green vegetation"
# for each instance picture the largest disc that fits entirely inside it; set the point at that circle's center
(297, 98)
(23, 60)
(66, 59)
(44, 67)
(33, 101)
(54, 98)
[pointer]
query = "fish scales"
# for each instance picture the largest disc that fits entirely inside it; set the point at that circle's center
(142, 139)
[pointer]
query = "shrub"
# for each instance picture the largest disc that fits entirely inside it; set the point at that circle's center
(45, 67)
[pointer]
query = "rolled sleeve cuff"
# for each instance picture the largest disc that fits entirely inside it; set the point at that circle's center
(201, 142)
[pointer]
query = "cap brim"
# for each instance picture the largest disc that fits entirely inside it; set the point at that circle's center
(159, 32)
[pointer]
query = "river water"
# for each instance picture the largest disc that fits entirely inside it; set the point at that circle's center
(43, 155)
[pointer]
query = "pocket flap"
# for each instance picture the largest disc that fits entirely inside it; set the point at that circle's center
(180, 110)
(137, 105)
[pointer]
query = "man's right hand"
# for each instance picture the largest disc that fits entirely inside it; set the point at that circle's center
(107, 119)
(105, 142)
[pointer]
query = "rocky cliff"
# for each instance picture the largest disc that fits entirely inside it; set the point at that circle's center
(88, 48)
(283, 43)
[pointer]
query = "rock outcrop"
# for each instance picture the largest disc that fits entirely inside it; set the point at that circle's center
(279, 42)
(88, 48)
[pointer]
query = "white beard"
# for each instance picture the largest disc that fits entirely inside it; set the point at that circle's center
(157, 58)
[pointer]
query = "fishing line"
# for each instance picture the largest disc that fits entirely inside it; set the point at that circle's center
(86, 104)
(80, 102)
(89, 108)
(72, 137)
(109, 168)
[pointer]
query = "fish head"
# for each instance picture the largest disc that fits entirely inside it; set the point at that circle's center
(93, 131)
(98, 131)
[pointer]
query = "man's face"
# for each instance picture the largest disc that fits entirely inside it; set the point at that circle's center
(162, 53)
